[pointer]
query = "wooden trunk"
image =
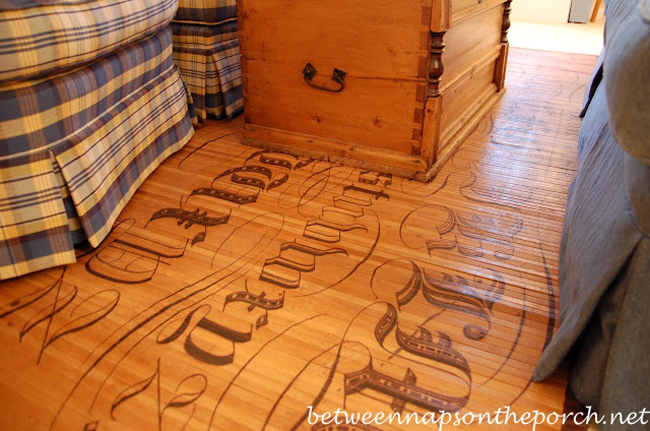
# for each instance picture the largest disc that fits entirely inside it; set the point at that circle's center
(418, 76)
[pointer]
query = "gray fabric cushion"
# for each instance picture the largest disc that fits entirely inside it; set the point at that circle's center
(637, 182)
(627, 75)
(616, 11)
(605, 248)
(626, 385)
(604, 273)
(600, 234)
(594, 82)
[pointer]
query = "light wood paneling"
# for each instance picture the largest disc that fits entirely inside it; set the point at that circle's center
(462, 9)
(460, 106)
(372, 39)
(469, 41)
(395, 57)
(356, 115)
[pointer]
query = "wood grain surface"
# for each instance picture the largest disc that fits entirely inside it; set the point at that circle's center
(241, 287)
(361, 80)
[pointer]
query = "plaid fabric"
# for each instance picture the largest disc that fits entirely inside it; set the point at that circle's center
(23, 4)
(75, 147)
(210, 12)
(208, 58)
(42, 40)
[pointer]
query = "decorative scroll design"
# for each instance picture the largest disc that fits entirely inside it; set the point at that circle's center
(385, 325)
(134, 390)
(472, 235)
(295, 258)
(241, 197)
(445, 292)
(261, 171)
(188, 391)
(304, 261)
(409, 349)
(398, 404)
(374, 178)
(404, 389)
(275, 161)
(424, 346)
(436, 67)
(88, 312)
(256, 300)
(190, 218)
(433, 346)
(133, 256)
(327, 231)
(505, 26)
(461, 297)
(218, 330)
(45, 304)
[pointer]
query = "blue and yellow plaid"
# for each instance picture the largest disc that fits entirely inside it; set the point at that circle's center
(74, 148)
(208, 58)
(39, 38)
(210, 12)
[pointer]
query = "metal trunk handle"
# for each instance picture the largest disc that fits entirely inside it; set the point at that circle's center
(338, 76)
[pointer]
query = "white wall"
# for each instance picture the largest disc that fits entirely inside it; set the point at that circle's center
(541, 11)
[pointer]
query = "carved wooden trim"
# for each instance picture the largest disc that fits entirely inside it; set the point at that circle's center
(436, 67)
(506, 21)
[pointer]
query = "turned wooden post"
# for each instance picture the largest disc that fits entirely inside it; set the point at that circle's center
(436, 67)
(505, 26)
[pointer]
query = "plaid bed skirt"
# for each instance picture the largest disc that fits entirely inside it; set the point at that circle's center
(39, 38)
(210, 12)
(75, 147)
(208, 58)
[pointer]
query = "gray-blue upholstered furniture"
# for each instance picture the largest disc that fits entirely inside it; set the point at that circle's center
(605, 249)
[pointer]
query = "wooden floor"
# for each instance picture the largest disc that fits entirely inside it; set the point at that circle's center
(241, 287)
